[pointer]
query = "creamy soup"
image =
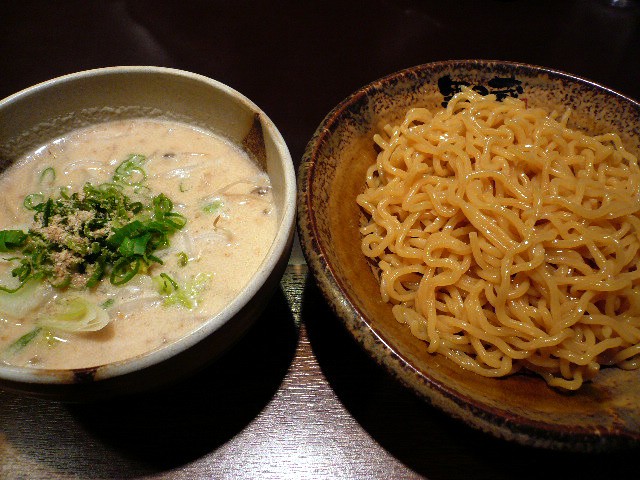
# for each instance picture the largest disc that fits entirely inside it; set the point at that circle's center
(223, 218)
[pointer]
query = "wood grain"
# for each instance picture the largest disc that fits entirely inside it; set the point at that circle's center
(296, 398)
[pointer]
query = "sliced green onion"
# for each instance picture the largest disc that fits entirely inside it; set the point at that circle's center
(117, 236)
(162, 204)
(11, 239)
(189, 295)
(48, 176)
(30, 201)
(213, 207)
(165, 284)
(75, 314)
(130, 172)
(108, 303)
(176, 220)
(23, 341)
(64, 192)
(124, 270)
(47, 210)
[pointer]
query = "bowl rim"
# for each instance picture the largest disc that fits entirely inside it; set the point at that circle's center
(501, 423)
(278, 248)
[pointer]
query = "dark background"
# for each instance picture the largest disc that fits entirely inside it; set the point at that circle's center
(296, 398)
(298, 59)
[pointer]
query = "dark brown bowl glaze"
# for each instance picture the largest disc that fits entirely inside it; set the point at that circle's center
(603, 414)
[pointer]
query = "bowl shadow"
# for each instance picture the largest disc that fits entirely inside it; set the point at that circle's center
(167, 427)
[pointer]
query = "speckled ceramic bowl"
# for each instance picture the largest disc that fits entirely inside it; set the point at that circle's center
(603, 414)
(48, 110)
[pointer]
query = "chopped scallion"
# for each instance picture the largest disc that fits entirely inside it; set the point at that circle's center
(48, 176)
(188, 295)
(108, 303)
(81, 237)
(213, 207)
(30, 201)
(23, 341)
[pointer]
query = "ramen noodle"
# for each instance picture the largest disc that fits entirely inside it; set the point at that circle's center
(506, 240)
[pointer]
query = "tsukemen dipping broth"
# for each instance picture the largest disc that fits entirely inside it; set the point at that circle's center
(122, 237)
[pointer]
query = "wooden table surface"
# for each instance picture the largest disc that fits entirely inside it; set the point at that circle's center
(296, 398)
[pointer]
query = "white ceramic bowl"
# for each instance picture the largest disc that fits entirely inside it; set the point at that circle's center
(50, 109)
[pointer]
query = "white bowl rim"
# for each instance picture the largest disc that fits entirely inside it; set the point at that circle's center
(278, 247)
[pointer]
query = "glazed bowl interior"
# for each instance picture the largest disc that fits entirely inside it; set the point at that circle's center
(602, 414)
(49, 110)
